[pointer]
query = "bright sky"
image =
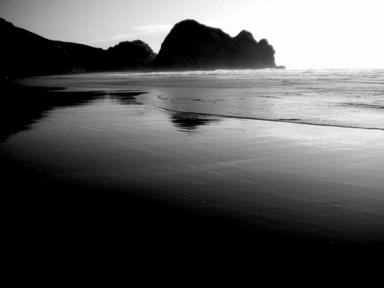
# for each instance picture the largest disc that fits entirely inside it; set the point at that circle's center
(304, 33)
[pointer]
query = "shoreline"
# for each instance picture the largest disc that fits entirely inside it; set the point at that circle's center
(289, 121)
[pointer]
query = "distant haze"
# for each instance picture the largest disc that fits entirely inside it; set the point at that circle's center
(304, 33)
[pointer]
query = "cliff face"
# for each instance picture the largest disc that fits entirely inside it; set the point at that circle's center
(25, 53)
(192, 45)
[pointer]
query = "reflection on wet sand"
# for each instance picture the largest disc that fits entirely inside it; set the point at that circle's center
(126, 97)
(22, 106)
(189, 122)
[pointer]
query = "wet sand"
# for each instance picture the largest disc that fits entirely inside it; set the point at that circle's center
(105, 172)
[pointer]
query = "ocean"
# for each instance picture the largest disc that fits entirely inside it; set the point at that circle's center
(345, 98)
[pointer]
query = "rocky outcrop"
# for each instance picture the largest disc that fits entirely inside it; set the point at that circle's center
(133, 54)
(191, 45)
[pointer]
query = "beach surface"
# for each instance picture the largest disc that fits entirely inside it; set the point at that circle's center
(115, 165)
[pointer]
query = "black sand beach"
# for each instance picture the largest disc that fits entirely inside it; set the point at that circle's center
(120, 176)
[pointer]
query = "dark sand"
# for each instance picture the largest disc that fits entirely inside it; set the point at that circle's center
(93, 174)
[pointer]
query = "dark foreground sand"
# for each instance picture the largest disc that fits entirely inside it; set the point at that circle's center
(99, 174)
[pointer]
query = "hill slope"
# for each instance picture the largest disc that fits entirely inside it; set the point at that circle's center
(25, 53)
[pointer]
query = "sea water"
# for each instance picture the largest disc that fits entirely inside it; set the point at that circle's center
(345, 98)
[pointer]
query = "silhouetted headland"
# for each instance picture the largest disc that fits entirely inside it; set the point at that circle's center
(24, 53)
(192, 45)
(189, 45)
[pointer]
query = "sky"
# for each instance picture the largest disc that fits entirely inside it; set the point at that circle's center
(304, 33)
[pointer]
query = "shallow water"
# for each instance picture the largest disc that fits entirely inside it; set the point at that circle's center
(305, 181)
(346, 98)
